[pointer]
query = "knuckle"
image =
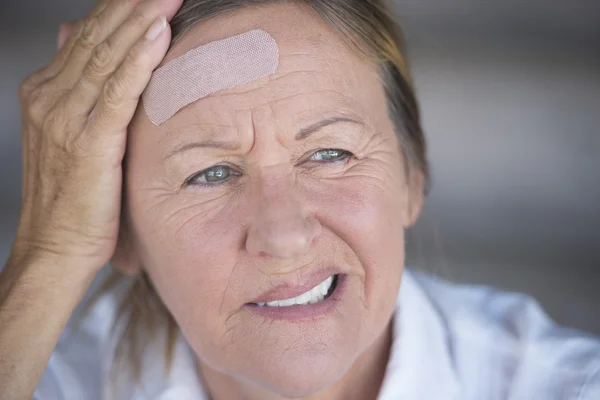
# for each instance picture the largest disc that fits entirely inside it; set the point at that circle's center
(53, 121)
(90, 32)
(138, 18)
(26, 87)
(114, 92)
(77, 148)
(102, 59)
(36, 115)
(36, 104)
(138, 60)
(37, 94)
(30, 83)
(59, 121)
(135, 60)
(60, 138)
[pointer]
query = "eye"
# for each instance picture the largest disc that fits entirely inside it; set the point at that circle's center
(211, 176)
(330, 155)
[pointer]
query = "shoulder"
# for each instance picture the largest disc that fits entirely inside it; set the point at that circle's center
(505, 340)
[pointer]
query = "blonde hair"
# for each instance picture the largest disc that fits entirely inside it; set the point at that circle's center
(371, 29)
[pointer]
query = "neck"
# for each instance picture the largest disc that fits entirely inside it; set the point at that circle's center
(362, 382)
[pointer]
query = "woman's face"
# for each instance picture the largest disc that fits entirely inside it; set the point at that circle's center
(277, 209)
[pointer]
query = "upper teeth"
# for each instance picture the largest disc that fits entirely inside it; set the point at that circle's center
(314, 295)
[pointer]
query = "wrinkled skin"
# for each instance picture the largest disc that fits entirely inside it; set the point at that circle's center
(283, 211)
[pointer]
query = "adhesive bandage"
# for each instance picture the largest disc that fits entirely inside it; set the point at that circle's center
(210, 68)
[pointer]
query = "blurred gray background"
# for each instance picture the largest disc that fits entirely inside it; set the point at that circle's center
(510, 94)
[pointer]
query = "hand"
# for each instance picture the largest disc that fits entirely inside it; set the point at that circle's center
(75, 114)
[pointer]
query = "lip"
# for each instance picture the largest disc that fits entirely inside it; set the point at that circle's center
(309, 313)
(287, 291)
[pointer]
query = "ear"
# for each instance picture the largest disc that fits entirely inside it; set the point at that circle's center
(64, 31)
(415, 198)
(125, 258)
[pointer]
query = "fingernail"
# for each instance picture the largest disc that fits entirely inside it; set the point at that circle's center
(156, 28)
(61, 37)
(65, 30)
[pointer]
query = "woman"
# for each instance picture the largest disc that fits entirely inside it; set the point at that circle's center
(255, 188)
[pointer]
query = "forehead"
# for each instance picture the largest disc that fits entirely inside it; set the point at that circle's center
(297, 29)
(316, 65)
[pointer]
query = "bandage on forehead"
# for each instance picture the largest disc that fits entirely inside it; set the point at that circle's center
(216, 66)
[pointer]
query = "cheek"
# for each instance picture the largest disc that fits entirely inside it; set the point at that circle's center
(191, 251)
(367, 217)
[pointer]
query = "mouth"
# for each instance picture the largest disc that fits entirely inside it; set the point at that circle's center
(319, 302)
(311, 297)
(315, 295)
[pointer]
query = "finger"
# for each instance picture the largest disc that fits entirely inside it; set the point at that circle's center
(63, 53)
(57, 63)
(120, 96)
(102, 4)
(93, 30)
(111, 53)
(99, 7)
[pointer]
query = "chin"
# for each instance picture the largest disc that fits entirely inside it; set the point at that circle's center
(304, 374)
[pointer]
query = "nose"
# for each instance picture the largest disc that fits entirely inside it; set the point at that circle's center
(281, 227)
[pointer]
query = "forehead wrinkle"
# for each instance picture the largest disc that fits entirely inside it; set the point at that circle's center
(268, 88)
(216, 135)
(257, 85)
(343, 106)
(207, 130)
(337, 101)
(338, 96)
(278, 131)
(292, 58)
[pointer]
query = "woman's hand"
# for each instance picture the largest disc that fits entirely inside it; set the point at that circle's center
(75, 117)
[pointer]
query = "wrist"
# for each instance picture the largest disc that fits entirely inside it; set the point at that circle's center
(39, 268)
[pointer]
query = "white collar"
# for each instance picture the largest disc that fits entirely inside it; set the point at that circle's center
(420, 364)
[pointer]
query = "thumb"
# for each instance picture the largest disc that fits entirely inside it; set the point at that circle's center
(64, 31)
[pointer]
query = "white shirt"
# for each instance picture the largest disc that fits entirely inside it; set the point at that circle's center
(450, 342)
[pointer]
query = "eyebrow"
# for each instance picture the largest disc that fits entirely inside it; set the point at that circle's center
(309, 130)
(232, 146)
